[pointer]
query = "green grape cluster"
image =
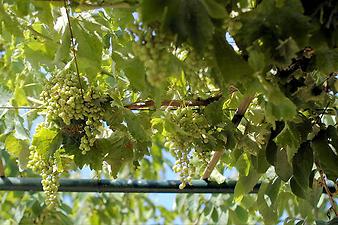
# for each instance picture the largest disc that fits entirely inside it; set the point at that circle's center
(93, 112)
(67, 99)
(63, 96)
(184, 141)
(47, 167)
(152, 49)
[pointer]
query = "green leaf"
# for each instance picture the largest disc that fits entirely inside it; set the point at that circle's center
(44, 12)
(16, 146)
(46, 141)
(11, 24)
(242, 214)
(279, 107)
(20, 95)
(282, 167)
(332, 133)
(256, 59)
(325, 155)
(89, 49)
(118, 148)
(214, 113)
(302, 164)
(4, 100)
(135, 73)
(63, 50)
(271, 152)
(266, 201)
(215, 9)
(40, 52)
(292, 136)
(214, 215)
(326, 60)
(245, 184)
(152, 10)
(297, 189)
(260, 162)
(192, 22)
(230, 65)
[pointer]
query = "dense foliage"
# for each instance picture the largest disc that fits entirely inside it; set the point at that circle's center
(117, 83)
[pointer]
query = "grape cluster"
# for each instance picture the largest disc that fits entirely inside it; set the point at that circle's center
(152, 49)
(67, 99)
(93, 111)
(64, 98)
(184, 140)
(47, 167)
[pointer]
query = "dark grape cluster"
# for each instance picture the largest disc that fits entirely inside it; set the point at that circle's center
(67, 99)
(48, 168)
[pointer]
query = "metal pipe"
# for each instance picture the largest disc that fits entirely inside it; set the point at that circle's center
(119, 185)
(123, 186)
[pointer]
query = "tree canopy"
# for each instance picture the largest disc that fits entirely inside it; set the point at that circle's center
(219, 84)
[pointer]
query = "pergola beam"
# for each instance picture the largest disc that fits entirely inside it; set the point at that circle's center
(123, 186)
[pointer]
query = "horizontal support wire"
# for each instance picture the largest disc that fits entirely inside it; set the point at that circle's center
(123, 186)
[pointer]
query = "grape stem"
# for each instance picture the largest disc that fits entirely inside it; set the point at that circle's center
(73, 47)
(327, 190)
(236, 119)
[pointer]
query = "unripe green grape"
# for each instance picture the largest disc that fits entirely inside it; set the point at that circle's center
(50, 178)
(65, 100)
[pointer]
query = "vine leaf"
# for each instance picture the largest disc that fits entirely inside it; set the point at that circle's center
(152, 10)
(297, 189)
(194, 23)
(245, 184)
(213, 112)
(292, 136)
(63, 50)
(302, 164)
(89, 50)
(333, 136)
(136, 74)
(266, 200)
(119, 151)
(46, 141)
(11, 25)
(279, 107)
(18, 148)
(326, 60)
(138, 127)
(6, 95)
(215, 9)
(230, 65)
(325, 155)
(260, 162)
(282, 166)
